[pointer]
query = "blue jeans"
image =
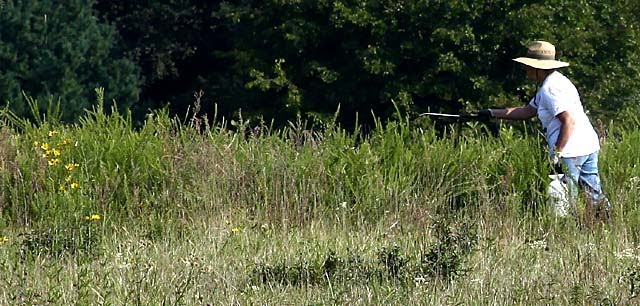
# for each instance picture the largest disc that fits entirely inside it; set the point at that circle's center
(583, 171)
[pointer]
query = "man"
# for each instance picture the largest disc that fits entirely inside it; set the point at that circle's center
(571, 138)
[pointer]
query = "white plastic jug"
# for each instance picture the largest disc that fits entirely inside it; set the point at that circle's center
(558, 195)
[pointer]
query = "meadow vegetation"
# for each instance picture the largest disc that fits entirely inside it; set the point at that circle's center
(203, 211)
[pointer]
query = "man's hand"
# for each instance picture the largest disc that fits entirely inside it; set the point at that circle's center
(556, 159)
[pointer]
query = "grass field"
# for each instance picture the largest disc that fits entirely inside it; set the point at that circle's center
(208, 212)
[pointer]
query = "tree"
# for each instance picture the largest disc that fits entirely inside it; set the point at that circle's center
(58, 50)
(280, 59)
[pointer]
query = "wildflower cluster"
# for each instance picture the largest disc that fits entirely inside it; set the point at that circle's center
(234, 229)
(3, 240)
(94, 217)
(54, 150)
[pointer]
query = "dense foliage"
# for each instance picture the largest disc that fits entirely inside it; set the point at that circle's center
(58, 52)
(310, 56)
(174, 44)
(279, 59)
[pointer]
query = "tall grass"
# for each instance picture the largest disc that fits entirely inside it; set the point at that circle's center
(196, 212)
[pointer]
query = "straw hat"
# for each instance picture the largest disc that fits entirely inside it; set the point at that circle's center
(541, 55)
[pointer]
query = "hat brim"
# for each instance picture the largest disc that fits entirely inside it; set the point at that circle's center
(541, 64)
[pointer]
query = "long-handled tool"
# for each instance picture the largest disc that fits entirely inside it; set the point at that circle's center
(493, 126)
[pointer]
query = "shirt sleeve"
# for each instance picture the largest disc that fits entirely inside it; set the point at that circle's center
(555, 100)
(534, 102)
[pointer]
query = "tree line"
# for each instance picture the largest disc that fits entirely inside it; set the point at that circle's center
(286, 59)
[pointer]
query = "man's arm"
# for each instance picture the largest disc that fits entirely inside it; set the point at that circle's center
(515, 113)
(566, 128)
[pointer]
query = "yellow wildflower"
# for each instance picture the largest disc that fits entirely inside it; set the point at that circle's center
(54, 161)
(94, 217)
(68, 179)
(56, 152)
(71, 166)
(3, 240)
(36, 144)
(61, 188)
(45, 155)
(53, 133)
(235, 230)
(75, 186)
(65, 142)
(44, 146)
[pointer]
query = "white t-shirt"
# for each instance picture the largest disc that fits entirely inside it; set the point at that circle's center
(556, 95)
